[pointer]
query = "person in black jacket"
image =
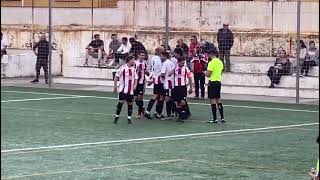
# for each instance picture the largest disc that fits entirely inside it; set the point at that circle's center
(281, 67)
(225, 43)
(137, 47)
(207, 46)
(41, 50)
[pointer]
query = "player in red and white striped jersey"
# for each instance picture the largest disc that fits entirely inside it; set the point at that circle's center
(168, 81)
(142, 70)
(127, 77)
(182, 77)
(158, 90)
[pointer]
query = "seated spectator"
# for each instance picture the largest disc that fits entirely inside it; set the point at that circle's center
(302, 57)
(312, 58)
(114, 45)
(123, 51)
(206, 46)
(4, 45)
(183, 46)
(137, 47)
(281, 67)
(95, 49)
(167, 49)
(199, 61)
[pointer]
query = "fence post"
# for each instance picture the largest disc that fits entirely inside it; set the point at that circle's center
(298, 52)
(50, 40)
(167, 24)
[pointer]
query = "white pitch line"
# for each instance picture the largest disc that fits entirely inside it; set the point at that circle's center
(144, 142)
(226, 105)
(40, 99)
(95, 168)
(155, 138)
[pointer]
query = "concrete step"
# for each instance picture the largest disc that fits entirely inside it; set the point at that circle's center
(243, 79)
(228, 89)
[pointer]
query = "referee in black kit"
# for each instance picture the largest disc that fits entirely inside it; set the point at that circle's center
(41, 50)
(214, 72)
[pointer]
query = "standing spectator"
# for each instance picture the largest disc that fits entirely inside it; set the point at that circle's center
(114, 45)
(199, 65)
(123, 51)
(302, 58)
(95, 49)
(137, 47)
(167, 49)
(41, 50)
(214, 72)
(281, 67)
(4, 45)
(225, 43)
(312, 58)
(207, 46)
(192, 50)
(183, 46)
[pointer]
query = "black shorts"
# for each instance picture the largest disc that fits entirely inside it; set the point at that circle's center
(158, 89)
(180, 93)
(214, 89)
(125, 97)
(139, 90)
(169, 92)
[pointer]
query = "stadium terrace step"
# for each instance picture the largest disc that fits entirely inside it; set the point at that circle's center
(242, 79)
(228, 89)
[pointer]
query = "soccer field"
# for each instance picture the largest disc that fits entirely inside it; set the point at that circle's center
(63, 134)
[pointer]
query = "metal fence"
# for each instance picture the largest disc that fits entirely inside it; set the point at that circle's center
(260, 28)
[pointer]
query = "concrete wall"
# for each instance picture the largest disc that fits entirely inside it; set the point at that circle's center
(250, 21)
(22, 63)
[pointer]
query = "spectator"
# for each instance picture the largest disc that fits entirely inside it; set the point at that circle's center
(183, 46)
(225, 43)
(192, 50)
(206, 46)
(4, 45)
(302, 57)
(42, 54)
(95, 49)
(193, 46)
(312, 58)
(123, 51)
(281, 67)
(199, 61)
(114, 45)
(167, 49)
(137, 47)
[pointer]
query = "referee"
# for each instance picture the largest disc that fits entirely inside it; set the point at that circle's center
(214, 72)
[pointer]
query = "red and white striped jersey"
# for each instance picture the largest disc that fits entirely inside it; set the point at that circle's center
(168, 81)
(156, 66)
(181, 76)
(141, 69)
(127, 75)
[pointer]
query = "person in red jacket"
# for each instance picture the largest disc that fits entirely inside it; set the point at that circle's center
(199, 61)
(192, 50)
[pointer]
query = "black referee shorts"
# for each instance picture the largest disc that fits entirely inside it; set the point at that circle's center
(214, 90)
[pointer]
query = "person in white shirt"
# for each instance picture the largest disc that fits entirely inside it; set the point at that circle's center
(157, 81)
(4, 45)
(127, 77)
(142, 70)
(123, 50)
(167, 66)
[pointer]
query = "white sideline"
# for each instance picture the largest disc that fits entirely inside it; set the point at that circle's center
(204, 104)
(40, 99)
(155, 138)
(95, 168)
